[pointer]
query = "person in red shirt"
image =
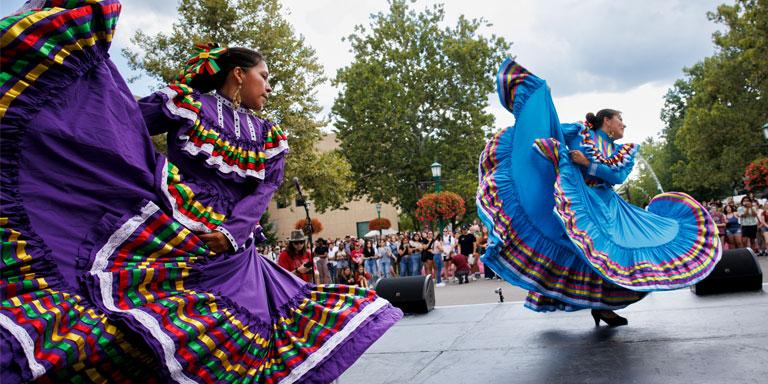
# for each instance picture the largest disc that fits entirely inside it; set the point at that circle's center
(296, 258)
(462, 267)
(356, 256)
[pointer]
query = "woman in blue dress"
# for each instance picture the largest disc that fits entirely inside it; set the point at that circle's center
(559, 230)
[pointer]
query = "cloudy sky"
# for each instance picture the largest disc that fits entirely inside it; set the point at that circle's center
(593, 53)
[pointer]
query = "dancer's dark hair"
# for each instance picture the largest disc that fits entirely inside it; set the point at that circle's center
(596, 121)
(229, 60)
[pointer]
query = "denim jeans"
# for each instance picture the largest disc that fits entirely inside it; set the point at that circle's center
(385, 264)
(405, 265)
(416, 264)
(371, 268)
(438, 258)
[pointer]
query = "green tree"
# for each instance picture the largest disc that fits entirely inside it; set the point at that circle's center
(268, 228)
(727, 104)
(415, 93)
(642, 186)
(664, 155)
(294, 74)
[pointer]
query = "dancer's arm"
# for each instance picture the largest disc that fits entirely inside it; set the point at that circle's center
(612, 175)
(161, 115)
(247, 212)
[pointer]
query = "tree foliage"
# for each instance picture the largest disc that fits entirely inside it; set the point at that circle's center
(268, 228)
(642, 185)
(294, 74)
(716, 112)
(415, 92)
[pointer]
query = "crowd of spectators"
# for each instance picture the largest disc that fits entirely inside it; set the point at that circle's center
(454, 256)
(742, 223)
(449, 256)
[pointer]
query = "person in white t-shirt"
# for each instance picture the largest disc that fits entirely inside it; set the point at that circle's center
(449, 248)
(748, 218)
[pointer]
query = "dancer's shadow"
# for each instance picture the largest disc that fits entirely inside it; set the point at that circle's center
(589, 356)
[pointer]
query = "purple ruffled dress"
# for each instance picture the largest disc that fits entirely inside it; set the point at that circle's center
(102, 276)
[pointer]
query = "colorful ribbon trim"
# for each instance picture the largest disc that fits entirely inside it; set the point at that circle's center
(203, 61)
(620, 158)
(222, 153)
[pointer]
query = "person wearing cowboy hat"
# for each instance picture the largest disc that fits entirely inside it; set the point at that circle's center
(296, 258)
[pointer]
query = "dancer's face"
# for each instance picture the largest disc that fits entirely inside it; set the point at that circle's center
(256, 88)
(614, 126)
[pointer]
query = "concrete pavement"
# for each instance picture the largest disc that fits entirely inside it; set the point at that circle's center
(672, 337)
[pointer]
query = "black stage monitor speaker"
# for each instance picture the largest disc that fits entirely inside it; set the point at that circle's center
(738, 270)
(412, 294)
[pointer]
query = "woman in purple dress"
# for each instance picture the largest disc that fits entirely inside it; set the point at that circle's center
(119, 264)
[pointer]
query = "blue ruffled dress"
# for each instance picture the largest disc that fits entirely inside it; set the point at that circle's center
(559, 230)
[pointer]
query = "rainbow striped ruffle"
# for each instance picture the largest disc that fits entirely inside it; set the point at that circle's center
(30, 49)
(53, 334)
(622, 157)
(512, 77)
(230, 155)
(524, 256)
(186, 208)
(144, 274)
(49, 331)
(676, 259)
(585, 247)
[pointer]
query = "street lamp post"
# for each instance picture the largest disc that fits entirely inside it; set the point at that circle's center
(436, 170)
(378, 213)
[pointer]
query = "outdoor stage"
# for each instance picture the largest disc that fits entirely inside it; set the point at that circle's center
(672, 337)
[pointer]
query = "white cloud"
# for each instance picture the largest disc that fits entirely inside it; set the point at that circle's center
(594, 54)
(640, 107)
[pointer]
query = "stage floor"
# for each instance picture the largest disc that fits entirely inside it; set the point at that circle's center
(672, 337)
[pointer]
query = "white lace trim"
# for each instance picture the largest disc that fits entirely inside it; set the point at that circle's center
(220, 101)
(323, 352)
(145, 319)
(176, 110)
(251, 128)
(21, 335)
(218, 161)
(229, 237)
(231, 105)
(192, 225)
(220, 110)
(236, 117)
(272, 152)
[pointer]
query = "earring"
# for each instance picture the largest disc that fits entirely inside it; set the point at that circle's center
(236, 99)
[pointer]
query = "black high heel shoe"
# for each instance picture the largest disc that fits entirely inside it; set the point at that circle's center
(612, 321)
